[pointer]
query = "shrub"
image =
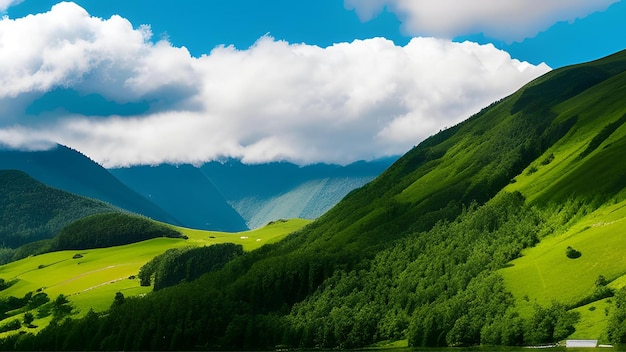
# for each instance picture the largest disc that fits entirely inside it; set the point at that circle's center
(28, 319)
(548, 159)
(572, 253)
(10, 326)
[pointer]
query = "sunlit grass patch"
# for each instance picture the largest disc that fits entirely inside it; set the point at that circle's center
(90, 278)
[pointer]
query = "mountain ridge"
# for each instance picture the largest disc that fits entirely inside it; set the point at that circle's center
(242, 196)
(185, 192)
(31, 211)
(66, 169)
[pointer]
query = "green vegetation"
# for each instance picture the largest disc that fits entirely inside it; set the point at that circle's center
(90, 279)
(571, 253)
(617, 322)
(417, 286)
(31, 211)
(108, 230)
(443, 249)
(186, 264)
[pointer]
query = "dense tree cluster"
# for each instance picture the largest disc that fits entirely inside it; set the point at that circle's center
(436, 287)
(186, 264)
(617, 319)
(39, 302)
(110, 229)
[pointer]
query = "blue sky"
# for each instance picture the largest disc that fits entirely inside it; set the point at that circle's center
(133, 82)
(202, 25)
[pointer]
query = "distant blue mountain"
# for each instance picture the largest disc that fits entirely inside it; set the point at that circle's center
(221, 196)
(234, 196)
(185, 192)
(267, 192)
(71, 171)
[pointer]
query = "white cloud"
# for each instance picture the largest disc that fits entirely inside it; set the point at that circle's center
(502, 19)
(273, 101)
(5, 4)
(66, 47)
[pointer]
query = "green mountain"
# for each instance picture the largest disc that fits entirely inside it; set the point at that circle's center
(71, 171)
(506, 229)
(31, 211)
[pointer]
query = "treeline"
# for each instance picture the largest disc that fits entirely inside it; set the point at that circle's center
(31, 211)
(11, 306)
(617, 319)
(110, 229)
(179, 265)
(436, 288)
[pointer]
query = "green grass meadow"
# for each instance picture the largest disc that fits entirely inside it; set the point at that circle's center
(91, 281)
(544, 274)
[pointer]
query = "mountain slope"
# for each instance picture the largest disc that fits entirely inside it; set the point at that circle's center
(268, 192)
(90, 278)
(31, 211)
(422, 253)
(68, 170)
(232, 196)
(587, 171)
(186, 193)
(308, 200)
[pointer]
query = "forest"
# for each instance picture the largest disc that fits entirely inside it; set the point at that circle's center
(186, 264)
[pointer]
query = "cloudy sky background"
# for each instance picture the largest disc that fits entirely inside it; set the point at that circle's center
(147, 82)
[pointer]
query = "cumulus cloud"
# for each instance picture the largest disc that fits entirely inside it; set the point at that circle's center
(501, 19)
(272, 101)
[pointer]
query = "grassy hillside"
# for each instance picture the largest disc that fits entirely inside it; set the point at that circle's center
(463, 241)
(31, 211)
(90, 278)
(586, 168)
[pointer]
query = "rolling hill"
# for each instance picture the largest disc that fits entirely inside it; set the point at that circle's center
(71, 171)
(89, 278)
(468, 239)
